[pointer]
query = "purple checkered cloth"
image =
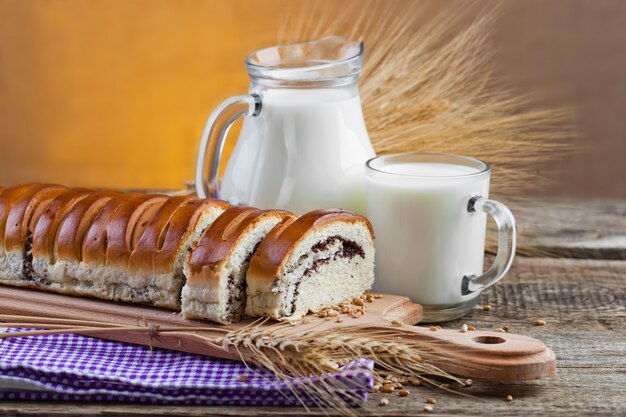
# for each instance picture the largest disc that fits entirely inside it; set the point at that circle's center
(79, 368)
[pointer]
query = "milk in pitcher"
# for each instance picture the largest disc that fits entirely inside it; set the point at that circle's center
(305, 151)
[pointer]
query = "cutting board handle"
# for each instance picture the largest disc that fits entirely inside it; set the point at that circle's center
(485, 354)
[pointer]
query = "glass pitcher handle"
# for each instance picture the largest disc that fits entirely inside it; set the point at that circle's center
(212, 141)
(506, 244)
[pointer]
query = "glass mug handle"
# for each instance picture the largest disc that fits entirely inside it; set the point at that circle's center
(506, 244)
(212, 141)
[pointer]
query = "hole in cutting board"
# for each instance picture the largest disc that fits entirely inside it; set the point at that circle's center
(489, 340)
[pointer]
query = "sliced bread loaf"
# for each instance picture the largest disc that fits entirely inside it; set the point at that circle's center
(318, 260)
(216, 268)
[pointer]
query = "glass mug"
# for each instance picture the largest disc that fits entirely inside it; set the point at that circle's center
(429, 213)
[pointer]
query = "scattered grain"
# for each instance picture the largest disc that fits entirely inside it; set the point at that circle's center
(387, 389)
(383, 401)
(378, 296)
(464, 328)
(431, 400)
(433, 328)
(359, 302)
(509, 397)
(428, 408)
(499, 330)
(468, 382)
(403, 392)
(339, 320)
(242, 378)
(505, 328)
(397, 323)
(471, 328)
(486, 307)
(540, 323)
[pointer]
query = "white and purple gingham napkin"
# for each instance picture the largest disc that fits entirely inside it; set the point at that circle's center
(78, 368)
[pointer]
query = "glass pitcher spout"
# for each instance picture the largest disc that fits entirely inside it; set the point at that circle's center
(327, 62)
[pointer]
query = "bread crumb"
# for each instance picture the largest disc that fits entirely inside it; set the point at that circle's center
(509, 397)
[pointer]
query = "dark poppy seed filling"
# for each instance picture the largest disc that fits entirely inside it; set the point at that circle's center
(27, 262)
(345, 248)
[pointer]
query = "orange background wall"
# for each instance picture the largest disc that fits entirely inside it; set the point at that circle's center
(115, 93)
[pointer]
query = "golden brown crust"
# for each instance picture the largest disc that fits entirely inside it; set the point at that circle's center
(69, 240)
(122, 225)
(23, 209)
(222, 236)
(8, 199)
(95, 241)
(278, 244)
(157, 247)
(46, 226)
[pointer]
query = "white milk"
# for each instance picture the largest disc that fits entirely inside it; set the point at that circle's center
(426, 240)
(305, 151)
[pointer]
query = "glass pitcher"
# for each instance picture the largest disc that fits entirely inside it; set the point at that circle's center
(303, 144)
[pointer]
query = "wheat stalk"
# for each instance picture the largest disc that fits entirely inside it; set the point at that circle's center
(428, 85)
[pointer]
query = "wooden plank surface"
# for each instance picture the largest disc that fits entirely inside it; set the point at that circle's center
(583, 304)
(584, 229)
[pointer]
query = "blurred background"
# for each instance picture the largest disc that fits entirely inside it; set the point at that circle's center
(115, 93)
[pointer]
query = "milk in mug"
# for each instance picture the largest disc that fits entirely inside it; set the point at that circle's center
(426, 240)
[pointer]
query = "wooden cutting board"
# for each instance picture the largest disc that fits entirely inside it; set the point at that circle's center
(474, 354)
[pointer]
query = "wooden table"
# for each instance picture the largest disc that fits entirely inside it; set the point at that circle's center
(572, 275)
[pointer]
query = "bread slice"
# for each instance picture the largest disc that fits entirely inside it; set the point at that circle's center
(216, 268)
(156, 264)
(318, 260)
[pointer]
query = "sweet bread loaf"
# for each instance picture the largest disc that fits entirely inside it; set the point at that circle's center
(225, 262)
(106, 244)
(216, 268)
(317, 260)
